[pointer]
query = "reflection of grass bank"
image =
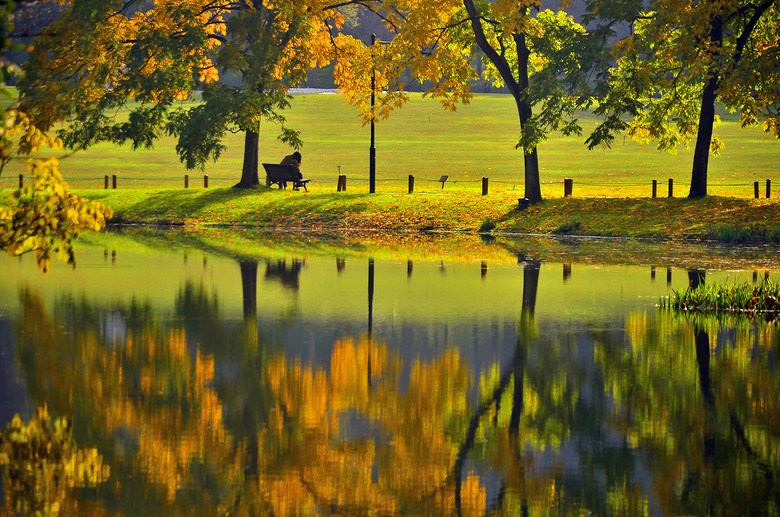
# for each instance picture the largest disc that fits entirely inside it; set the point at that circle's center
(710, 218)
(247, 243)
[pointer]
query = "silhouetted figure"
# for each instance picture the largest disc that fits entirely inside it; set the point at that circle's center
(293, 159)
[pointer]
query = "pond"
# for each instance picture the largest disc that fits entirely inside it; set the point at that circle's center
(236, 373)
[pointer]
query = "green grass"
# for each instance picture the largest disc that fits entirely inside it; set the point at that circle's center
(423, 140)
(438, 211)
(611, 187)
(761, 298)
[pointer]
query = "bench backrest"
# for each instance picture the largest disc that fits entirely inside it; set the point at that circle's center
(277, 170)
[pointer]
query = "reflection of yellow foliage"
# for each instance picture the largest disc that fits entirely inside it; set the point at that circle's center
(40, 463)
(327, 464)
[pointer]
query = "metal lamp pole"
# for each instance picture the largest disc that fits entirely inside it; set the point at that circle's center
(372, 149)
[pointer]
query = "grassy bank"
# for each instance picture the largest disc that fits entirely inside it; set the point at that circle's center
(714, 218)
(421, 139)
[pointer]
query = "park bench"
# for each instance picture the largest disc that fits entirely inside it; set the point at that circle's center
(281, 174)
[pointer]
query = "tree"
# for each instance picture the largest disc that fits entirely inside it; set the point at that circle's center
(147, 57)
(685, 56)
(43, 217)
(542, 56)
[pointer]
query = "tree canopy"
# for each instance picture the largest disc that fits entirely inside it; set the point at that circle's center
(681, 58)
(43, 217)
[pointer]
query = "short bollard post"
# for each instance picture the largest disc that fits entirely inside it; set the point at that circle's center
(655, 188)
(568, 186)
(113, 181)
(768, 188)
(186, 181)
(671, 187)
(342, 183)
(484, 186)
(411, 183)
(205, 181)
(755, 189)
(105, 182)
(21, 181)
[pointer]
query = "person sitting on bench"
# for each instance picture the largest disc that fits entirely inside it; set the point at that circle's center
(293, 159)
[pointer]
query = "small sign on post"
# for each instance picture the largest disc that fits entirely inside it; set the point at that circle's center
(442, 180)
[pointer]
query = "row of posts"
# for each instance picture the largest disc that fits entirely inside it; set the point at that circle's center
(341, 186)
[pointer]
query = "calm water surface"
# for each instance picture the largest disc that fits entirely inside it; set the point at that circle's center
(324, 380)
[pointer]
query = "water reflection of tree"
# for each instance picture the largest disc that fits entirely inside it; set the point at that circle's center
(706, 419)
(230, 426)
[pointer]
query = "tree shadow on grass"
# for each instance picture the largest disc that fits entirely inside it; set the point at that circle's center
(234, 206)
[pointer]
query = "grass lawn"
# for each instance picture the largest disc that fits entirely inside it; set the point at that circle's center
(710, 218)
(423, 140)
(611, 186)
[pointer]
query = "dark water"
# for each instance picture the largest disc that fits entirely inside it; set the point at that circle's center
(422, 380)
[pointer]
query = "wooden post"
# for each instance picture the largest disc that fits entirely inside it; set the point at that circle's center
(768, 188)
(483, 269)
(566, 271)
(186, 181)
(655, 188)
(668, 276)
(671, 187)
(113, 181)
(205, 181)
(21, 181)
(755, 189)
(652, 273)
(342, 183)
(568, 186)
(105, 182)
(485, 186)
(411, 183)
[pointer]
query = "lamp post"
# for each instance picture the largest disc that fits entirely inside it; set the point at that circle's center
(372, 149)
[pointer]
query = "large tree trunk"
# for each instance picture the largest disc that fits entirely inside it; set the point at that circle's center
(249, 177)
(518, 87)
(533, 190)
(701, 153)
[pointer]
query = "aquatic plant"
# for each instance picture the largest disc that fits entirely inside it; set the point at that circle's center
(761, 298)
